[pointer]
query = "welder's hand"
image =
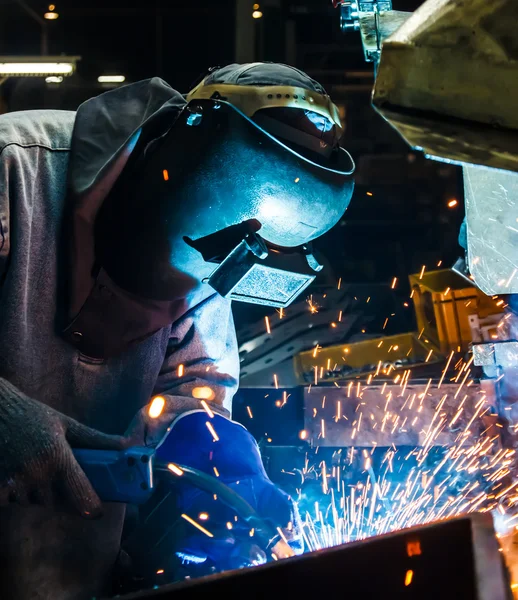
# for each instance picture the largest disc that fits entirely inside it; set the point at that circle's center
(225, 449)
(36, 460)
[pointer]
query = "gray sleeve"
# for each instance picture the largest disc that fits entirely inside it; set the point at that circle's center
(202, 360)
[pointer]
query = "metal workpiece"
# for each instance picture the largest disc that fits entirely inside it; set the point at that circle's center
(484, 354)
(491, 199)
(447, 78)
(455, 558)
(498, 354)
(418, 414)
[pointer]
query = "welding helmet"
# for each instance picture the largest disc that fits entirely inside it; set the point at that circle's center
(237, 195)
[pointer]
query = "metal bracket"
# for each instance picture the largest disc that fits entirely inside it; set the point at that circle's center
(496, 354)
(374, 19)
(350, 11)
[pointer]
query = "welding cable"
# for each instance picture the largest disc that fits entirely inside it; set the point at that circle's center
(268, 538)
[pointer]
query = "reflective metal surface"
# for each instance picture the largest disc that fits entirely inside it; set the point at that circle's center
(491, 198)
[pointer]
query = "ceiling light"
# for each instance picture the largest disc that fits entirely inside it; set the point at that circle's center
(51, 14)
(257, 14)
(54, 79)
(37, 66)
(111, 79)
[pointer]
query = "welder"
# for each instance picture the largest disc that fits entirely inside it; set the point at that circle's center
(126, 228)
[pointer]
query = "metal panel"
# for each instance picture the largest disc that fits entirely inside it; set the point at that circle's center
(491, 218)
(382, 415)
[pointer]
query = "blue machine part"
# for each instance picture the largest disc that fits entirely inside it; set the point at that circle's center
(125, 476)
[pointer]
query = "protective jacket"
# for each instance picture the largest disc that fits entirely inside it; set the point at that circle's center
(70, 338)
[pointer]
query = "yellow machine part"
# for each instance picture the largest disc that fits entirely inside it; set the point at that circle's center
(443, 302)
(377, 355)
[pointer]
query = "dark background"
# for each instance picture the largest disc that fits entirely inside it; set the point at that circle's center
(398, 220)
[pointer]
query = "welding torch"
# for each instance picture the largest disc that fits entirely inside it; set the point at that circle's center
(128, 476)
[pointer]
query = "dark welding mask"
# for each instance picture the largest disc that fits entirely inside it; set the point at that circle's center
(237, 206)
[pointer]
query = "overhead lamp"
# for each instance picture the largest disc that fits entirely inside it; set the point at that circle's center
(54, 79)
(111, 79)
(257, 14)
(51, 14)
(37, 66)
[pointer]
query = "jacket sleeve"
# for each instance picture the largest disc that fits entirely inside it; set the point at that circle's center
(202, 361)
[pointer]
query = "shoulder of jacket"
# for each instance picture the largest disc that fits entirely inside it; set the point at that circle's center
(50, 129)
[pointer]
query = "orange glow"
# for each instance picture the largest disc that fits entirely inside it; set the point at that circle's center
(413, 548)
(207, 409)
(166, 175)
(197, 525)
(452, 203)
(175, 469)
(156, 407)
(203, 393)
(408, 577)
(212, 431)
(181, 370)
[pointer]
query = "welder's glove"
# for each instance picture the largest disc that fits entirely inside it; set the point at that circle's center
(223, 448)
(36, 460)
